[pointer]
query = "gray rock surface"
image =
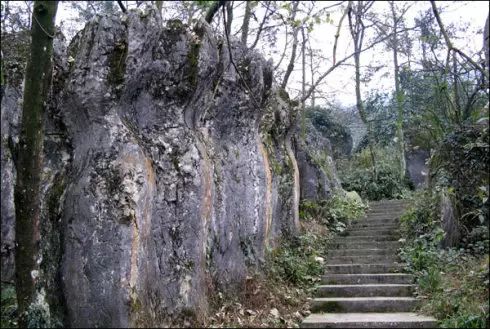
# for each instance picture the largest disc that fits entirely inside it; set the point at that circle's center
(277, 129)
(14, 47)
(10, 117)
(167, 201)
(417, 167)
(318, 174)
(166, 172)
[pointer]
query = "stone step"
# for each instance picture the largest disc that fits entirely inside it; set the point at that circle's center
(366, 232)
(363, 268)
(388, 203)
(379, 220)
(394, 210)
(382, 215)
(362, 252)
(369, 320)
(362, 278)
(366, 238)
(363, 224)
(363, 304)
(371, 218)
(366, 245)
(365, 290)
(367, 259)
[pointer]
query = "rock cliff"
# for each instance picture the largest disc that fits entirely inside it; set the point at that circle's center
(169, 167)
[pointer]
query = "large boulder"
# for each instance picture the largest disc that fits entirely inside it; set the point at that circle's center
(168, 197)
(166, 173)
(318, 174)
(417, 168)
(14, 54)
(277, 131)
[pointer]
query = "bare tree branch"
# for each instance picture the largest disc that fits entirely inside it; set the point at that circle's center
(261, 26)
(450, 45)
(290, 67)
(337, 34)
(213, 10)
(123, 9)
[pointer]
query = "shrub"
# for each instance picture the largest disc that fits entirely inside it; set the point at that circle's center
(356, 174)
(453, 281)
(336, 212)
(297, 260)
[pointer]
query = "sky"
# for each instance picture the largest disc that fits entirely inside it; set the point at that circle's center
(339, 85)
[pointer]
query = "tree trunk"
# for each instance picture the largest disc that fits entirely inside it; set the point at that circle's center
(357, 33)
(213, 10)
(246, 21)
(486, 44)
(29, 165)
(303, 84)
(362, 114)
(399, 99)
(159, 5)
(229, 16)
(290, 67)
(457, 100)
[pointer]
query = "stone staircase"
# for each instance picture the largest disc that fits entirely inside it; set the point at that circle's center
(363, 286)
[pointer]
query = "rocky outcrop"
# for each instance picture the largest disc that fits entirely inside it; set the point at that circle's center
(417, 168)
(10, 117)
(339, 135)
(277, 130)
(166, 174)
(168, 200)
(14, 54)
(318, 175)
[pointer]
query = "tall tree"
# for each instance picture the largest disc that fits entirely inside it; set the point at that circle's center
(400, 140)
(246, 21)
(357, 28)
(292, 59)
(213, 9)
(29, 165)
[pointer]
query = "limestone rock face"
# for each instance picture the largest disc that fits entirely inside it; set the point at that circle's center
(277, 130)
(14, 48)
(166, 172)
(10, 116)
(417, 168)
(167, 198)
(318, 174)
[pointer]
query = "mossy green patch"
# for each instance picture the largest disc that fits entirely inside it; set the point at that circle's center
(117, 63)
(8, 306)
(193, 63)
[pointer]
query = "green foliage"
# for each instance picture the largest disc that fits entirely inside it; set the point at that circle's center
(461, 164)
(296, 261)
(338, 134)
(335, 212)
(356, 174)
(299, 260)
(453, 282)
(9, 306)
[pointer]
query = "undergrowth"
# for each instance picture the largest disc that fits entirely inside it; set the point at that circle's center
(9, 306)
(336, 213)
(453, 282)
(277, 295)
(357, 174)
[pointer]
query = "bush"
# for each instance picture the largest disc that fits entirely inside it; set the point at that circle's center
(298, 261)
(356, 174)
(336, 213)
(453, 282)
